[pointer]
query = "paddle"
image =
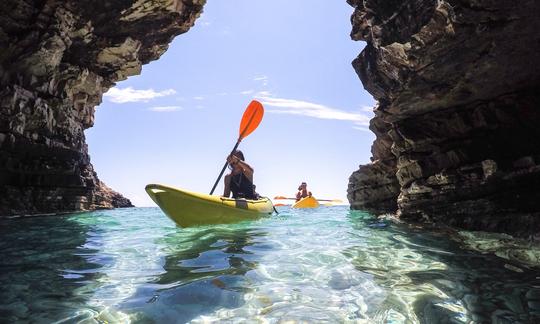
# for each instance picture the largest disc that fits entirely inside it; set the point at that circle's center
(250, 121)
(332, 200)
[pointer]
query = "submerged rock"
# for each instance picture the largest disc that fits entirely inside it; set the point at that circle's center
(502, 245)
(457, 118)
(57, 60)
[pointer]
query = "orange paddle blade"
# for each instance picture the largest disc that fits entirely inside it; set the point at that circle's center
(251, 119)
(282, 197)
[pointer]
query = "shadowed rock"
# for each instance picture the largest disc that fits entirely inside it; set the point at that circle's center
(457, 121)
(57, 60)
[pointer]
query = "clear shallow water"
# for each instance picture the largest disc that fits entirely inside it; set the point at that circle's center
(325, 265)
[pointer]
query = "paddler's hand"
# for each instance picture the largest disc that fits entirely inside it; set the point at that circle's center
(232, 160)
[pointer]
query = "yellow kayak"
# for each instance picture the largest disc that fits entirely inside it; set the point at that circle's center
(187, 208)
(307, 202)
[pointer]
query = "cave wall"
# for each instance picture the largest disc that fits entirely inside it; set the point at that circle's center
(458, 114)
(57, 59)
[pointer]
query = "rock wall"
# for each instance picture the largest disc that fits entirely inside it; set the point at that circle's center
(458, 118)
(57, 59)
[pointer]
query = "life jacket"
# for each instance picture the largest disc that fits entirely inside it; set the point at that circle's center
(303, 194)
(241, 187)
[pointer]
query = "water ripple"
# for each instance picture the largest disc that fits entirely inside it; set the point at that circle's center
(324, 265)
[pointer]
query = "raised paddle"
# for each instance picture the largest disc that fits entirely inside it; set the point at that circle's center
(250, 121)
(332, 200)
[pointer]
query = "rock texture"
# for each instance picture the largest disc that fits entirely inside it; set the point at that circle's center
(457, 124)
(57, 58)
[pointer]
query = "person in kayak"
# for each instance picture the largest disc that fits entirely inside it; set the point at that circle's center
(240, 181)
(303, 192)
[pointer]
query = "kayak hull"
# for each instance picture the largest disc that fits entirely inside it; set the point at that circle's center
(188, 208)
(307, 202)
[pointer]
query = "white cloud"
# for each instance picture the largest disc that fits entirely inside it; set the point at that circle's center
(314, 110)
(246, 92)
(222, 94)
(262, 78)
(123, 95)
(198, 98)
(165, 108)
(263, 94)
(363, 129)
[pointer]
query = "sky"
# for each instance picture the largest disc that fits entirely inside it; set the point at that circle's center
(176, 122)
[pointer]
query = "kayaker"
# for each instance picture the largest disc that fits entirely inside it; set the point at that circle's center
(303, 192)
(240, 181)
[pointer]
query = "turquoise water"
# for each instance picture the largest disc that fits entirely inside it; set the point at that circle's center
(325, 265)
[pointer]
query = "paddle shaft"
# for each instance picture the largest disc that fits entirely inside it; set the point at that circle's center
(224, 167)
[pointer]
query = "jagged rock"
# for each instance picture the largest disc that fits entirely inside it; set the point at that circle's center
(457, 119)
(57, 60)
(372, 189)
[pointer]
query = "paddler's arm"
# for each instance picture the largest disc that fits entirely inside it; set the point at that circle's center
(227, 186)
(246, 168)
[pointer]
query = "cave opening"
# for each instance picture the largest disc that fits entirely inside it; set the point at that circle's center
(187, 103)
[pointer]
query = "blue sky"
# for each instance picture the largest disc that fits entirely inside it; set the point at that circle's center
(177, 121)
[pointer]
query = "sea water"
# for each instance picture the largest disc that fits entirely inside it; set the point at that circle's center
(324, 265)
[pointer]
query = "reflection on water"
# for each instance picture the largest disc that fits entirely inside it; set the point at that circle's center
(430, 278)
(323, 265)
(204, 271)
(44, 268)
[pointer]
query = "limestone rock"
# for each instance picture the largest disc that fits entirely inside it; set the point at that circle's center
(57, 60)
(457, 119)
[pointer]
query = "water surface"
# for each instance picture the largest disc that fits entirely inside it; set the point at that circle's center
(323, 265)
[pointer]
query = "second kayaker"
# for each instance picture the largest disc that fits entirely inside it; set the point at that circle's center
(240, 181)
(303, 192)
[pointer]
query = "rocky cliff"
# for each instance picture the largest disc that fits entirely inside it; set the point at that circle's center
(57, 59)
(457, 122)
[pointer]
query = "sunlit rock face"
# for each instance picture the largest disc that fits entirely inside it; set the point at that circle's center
(458, 118)
(57, 58)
